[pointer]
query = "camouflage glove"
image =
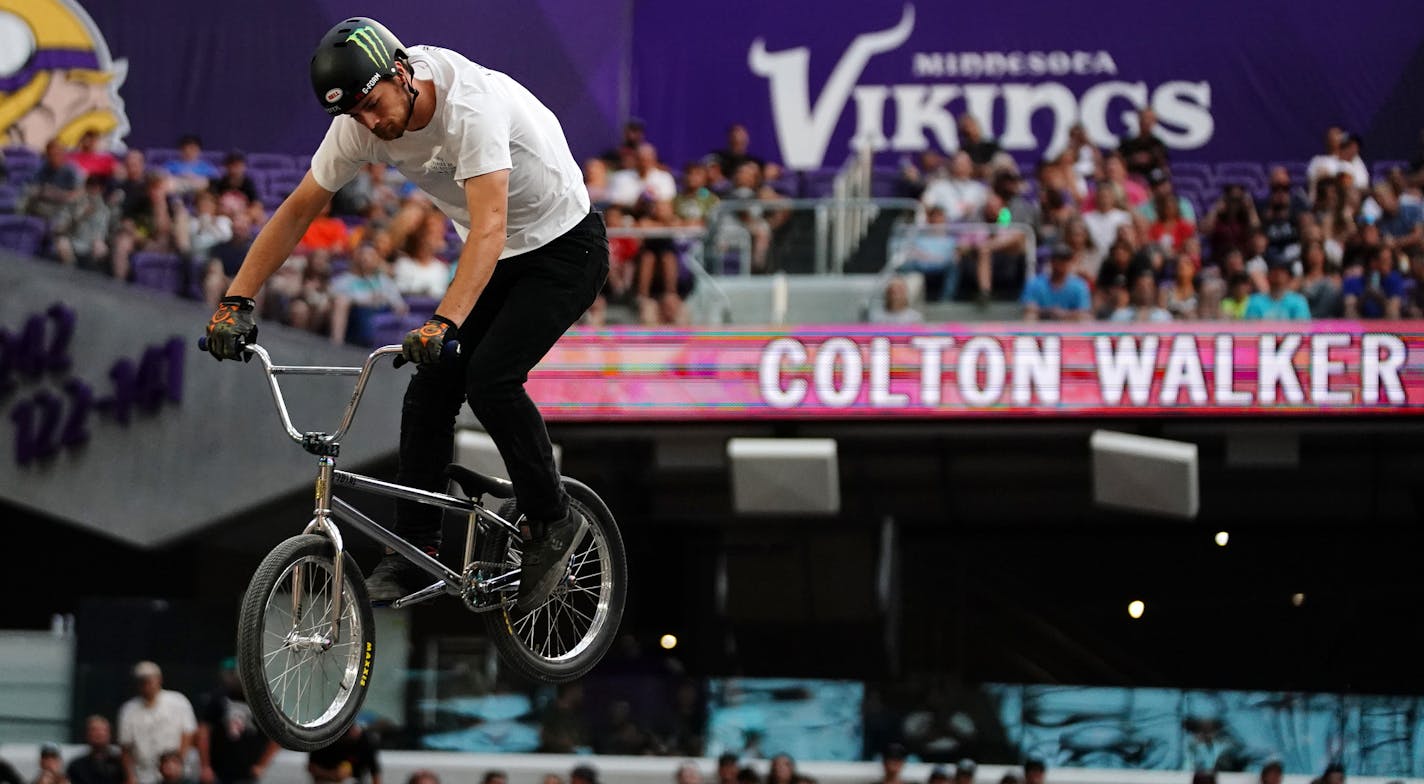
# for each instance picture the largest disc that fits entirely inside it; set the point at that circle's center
(424, 345)
(232, 327)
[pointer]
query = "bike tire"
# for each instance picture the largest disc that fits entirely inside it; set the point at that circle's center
(258, 653)
(512, 633)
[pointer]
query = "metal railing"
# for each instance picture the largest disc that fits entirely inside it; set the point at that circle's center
(902, 242)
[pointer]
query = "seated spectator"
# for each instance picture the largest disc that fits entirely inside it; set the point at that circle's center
(1143, 151)
(1230, 221)
(645, 181)
(1102, 223)
(981, 149)
(1058, 294)
(1178, 296)
(1319, 285)
(423, 776)
(207, 228)
(1008, 186)
(1259, 260)
(170, 769)
(148, 222)
(959, 195)
(736, 152)
(1347, 162)
(1131, 193)
(916, 174)
(933, 251)
(1239, 290)
(353, 757)
(101, 764)
(310, 307)
(191, 172)
(233, 187)
(634, 134)
(1327, 164)
(1078, 240)
(81, 228)
(1170, 229)
(622, 266)
(696, 200)
(419, 272)
(1142, 304)
(1281, 222)
(688, 773)
(56, 184)
(225, 258)
(365, 288)
(1279, 302)
(51, 766)
(1163, 190)
(751, 220)
(324, 234)
(895, 307)
(595, 179)
(661, 288)
(1402, 225)
(782, 770)
(1110, 290)
(1378, 292)
(92, 159)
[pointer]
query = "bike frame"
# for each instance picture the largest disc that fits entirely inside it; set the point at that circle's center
(326, 447)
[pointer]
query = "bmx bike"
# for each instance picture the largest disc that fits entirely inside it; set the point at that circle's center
(306, 648)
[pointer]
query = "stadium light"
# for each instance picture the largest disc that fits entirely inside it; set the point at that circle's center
(668, 641)
(1297, 599)
(1135, 608)
(1222, 538)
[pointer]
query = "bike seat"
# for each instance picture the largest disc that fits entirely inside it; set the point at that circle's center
(476, 484)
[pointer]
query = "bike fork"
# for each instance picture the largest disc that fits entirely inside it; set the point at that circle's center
(321, 523)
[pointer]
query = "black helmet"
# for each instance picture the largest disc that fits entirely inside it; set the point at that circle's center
(351, 58)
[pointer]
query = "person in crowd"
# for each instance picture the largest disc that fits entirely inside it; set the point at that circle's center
(1035, 772)
(1057, 294)
(694, 203)
(1142, 303)
(583, 774)
(1281, 220)
(80, 229)
(1103, 223)
(634, 134)
(1230, 221)
(782, 770)
(933, 251)
(660, 286)
(171, 770)
(51, 766)
(687, 773)
(1170, 229)
(959, 195)
(964, 771)
(646, 180)
(1327, 164)
(353, 757)
(1179, 295)
(1320, 285)
(364, 289)
(737, 151)
(595, 179)
(1378, 292)
(225, 258)
(92, 159)
(207, 227)
(552, 778)
(892, 764)
(940, 774)
(150, 220)
(191, 172)
(1131, 193)
(155, 721)
(1272, 772)
(232, 749)
(1258, 259)
(493, 777)
(418, 271)
(1348, 162)
(727, 767)
(56, 184)
(102, 763)
(981, 149)
(1238, 291)
(1400, 224)
(234, 189)
(1334, 774)
(424, 776)
(894, 307)
(1143, 151)
(325, 234)
(1279, 302)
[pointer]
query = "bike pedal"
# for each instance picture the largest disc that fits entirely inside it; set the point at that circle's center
(423, 595)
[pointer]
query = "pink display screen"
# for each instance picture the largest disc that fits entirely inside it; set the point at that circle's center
(977, 370)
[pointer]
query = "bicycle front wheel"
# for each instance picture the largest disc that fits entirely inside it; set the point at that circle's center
(305, 683)
(567, 635)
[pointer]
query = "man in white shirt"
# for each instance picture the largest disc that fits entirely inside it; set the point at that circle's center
(647, 181)
(154, 722)
(960, 196)
(494, 159)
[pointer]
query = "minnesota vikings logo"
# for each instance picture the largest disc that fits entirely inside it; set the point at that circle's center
(57, 79)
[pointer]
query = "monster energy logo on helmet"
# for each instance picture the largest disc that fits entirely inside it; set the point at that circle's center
(351, 58)
(371, 43)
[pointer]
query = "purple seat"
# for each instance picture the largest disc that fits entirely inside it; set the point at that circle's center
(1248, 173)
(280, 185)
(387, 328)
(817, 183)
(21, 233)
(1381, 169)
(1189, 185)
(884, 182)
(9, 198)
(215, 157)
(422, 307)
(266, 161)
(157, 157)
(158, 271)
(1200, 171)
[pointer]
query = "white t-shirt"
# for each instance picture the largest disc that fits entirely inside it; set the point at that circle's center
(626, 186)
(1102, 227)
(484, 122)
(149, 731)
(1322, 166)
(421, 280)
(959, 199)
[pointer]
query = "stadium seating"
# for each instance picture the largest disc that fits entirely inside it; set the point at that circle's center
(158, 271)
(22, 234)
(265, 161)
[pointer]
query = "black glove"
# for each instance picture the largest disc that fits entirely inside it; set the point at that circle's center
(232, 327)
(423, 346)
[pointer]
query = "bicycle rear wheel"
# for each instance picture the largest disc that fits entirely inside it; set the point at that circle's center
(565, 637)
(304, 687)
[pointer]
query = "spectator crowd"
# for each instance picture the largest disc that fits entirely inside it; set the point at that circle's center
(1094, 233)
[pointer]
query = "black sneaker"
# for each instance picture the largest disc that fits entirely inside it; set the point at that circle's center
(395, 577)
(546, 558)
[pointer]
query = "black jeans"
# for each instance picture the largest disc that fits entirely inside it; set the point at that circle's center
(531, 300)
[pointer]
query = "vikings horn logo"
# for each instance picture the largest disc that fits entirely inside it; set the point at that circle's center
(57, 78)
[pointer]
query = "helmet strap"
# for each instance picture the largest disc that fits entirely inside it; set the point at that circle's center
(409, 78)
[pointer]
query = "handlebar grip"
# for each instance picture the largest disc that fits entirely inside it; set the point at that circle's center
(203, 343)
(448, 354)
(241, 346)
